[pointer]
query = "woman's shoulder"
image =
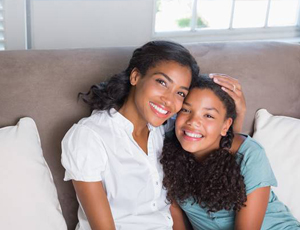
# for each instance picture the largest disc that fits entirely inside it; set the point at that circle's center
(97, 117)
(87, 126)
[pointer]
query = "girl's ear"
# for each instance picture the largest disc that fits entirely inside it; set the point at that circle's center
(226, 126)
(135, 75)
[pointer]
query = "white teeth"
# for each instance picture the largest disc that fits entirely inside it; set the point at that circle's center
(196, 135)
(160, 110)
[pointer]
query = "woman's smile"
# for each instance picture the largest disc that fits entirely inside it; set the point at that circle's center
(160, 110)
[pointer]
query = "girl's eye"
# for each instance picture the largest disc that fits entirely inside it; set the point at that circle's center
(162, 82)
(182, 94)
(209, 116)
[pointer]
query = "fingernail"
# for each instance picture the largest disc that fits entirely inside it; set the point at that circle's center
(211, 75)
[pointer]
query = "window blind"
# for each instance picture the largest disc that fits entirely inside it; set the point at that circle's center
(2, 35)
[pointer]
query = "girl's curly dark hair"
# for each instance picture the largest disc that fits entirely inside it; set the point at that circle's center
(216, 182)
(114, 92)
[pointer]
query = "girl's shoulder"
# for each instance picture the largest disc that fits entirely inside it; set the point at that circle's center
(249, 145)
(255, 166)
(251, 152)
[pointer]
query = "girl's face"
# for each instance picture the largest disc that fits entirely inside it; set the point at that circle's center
(160, 93)
(201, 122)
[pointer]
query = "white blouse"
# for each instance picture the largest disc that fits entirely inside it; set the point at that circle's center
(101, 148)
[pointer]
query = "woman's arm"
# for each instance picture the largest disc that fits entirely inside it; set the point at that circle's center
(252, 216)
(95, 204)
(232, 86)
(177, 216)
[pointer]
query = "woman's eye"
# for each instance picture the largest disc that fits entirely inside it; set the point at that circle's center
(184, 110)
(182, 94)
(162, 82)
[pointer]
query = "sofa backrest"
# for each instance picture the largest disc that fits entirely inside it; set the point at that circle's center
(44, 85)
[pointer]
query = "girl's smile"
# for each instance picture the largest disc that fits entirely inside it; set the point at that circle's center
(201, 122)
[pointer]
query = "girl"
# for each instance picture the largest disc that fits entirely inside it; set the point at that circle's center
(221, 180)
(112, 156)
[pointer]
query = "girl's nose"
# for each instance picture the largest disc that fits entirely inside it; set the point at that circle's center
(194, 121)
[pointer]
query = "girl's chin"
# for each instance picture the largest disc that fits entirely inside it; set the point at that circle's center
(189, 149)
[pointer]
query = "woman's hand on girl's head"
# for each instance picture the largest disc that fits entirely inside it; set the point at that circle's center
(232, 86)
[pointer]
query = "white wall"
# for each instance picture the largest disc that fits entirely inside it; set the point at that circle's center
(15, 24)
(62, 24)
(72, 24)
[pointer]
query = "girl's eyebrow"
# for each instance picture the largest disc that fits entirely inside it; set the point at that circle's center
(206, 108)
(212, 109)
(170, 79)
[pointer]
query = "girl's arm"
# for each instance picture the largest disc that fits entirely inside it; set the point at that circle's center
(177, 216)
(232, 86)
(95, 204)
(252, 216)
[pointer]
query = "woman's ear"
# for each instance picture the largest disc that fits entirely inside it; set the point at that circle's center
(226, 126)
(135, 75)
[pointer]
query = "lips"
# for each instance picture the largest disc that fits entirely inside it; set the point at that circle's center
(159, 110)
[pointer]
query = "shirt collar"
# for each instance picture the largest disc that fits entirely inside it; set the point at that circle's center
(124, 122)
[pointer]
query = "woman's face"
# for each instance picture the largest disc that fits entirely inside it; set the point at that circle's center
(201, 122)
(160, 93)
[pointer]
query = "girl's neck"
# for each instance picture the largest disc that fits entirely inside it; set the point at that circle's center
(237, 142)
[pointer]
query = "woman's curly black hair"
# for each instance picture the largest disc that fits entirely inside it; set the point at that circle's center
(114, 92)
(215, 183)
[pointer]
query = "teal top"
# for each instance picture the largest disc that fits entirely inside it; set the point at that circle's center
(257, 172)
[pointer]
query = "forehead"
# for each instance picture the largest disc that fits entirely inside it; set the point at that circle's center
(203, 97)
(165, 64)
(173, 70)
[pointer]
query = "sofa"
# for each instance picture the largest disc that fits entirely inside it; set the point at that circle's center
(41, 86)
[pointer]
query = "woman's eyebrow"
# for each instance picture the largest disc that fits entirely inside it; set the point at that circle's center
(170, 79)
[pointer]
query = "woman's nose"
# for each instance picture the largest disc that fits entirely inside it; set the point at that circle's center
(167, 99)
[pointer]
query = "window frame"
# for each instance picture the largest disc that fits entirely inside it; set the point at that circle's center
(2, 30)
(280, 33)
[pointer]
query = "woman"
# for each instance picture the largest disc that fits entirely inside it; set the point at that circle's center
(112, 156)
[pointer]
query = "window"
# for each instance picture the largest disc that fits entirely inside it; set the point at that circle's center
(227, 18)
(2, 40)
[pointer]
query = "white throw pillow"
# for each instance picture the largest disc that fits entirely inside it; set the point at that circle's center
(280, 136)
(28, 197)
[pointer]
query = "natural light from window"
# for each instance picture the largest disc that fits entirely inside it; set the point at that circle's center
(2, 46)
(192, 15)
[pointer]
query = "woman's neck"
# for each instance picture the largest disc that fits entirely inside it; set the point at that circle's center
(140, 131)
(129, 111)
